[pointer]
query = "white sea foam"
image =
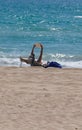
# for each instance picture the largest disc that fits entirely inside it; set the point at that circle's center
(53, 29)
(59, 56)
(67, 61)
(42, 21)
(16, 62)
(9, 61)
(78, 17)
(77, 64)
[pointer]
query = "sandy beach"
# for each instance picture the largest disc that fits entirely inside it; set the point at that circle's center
(35, 98)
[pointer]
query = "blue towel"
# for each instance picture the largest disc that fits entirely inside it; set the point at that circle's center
(53, 64)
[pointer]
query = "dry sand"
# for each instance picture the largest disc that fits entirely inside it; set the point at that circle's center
(35, 98)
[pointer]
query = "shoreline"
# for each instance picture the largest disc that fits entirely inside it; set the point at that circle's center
(28, 65)
(36, 98)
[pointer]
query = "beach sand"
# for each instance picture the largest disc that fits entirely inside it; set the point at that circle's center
(35, 98)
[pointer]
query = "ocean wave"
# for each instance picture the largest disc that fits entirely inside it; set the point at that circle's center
(53, 28)
(77, 64)
(78, 17)
(9, 61)
(66, 61)
(63, 57)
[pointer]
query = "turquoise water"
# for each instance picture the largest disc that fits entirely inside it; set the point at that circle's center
(57, 24)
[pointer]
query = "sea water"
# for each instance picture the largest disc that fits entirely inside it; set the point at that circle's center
(57, 24)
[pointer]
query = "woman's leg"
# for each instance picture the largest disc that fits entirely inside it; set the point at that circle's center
(25, 60)
(41, 53)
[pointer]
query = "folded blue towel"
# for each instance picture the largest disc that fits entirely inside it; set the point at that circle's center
(53, 64)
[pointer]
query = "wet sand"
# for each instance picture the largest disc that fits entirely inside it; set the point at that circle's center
(35, 98)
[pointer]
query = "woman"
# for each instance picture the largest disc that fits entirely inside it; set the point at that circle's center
(31, 59)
